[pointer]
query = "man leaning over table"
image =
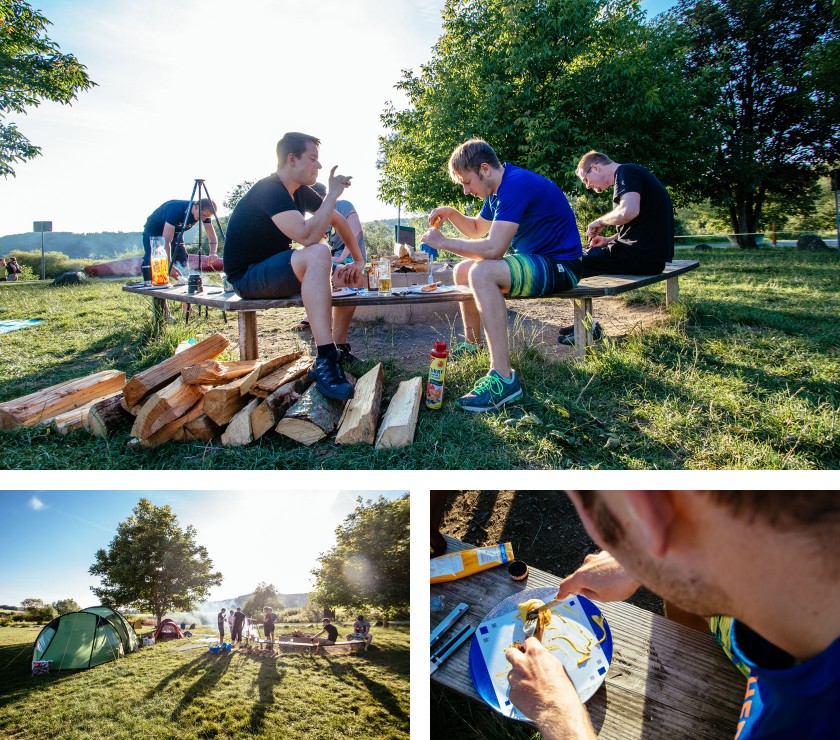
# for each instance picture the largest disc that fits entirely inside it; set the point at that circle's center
(524, 242)
(766, 558)
(260, 262)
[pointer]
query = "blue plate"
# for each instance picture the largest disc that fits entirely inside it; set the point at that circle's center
(480, 673)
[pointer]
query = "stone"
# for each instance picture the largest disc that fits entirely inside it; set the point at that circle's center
(703, 247)
(811, 242)
(70, 278)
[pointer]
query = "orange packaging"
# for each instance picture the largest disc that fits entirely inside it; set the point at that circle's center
(455, 565)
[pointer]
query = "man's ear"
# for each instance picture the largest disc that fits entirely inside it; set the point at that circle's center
(653, 512)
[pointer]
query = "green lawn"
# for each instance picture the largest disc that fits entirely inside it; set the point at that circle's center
(744, 373)
(161, 692)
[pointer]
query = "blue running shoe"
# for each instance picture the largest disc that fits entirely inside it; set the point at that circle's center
(491, 392)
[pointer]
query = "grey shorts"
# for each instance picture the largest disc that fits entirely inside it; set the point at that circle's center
(271, 278)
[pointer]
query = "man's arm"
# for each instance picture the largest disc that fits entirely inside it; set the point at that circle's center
(626, 210)
(309, 231)
(212, 239)
(471, 227)
(602, 578)
(492, 247)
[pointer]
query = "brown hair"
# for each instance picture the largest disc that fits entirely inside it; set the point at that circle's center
(590, 158)
(205, 204)
(295, 143)
(469, 156)
(782, 509)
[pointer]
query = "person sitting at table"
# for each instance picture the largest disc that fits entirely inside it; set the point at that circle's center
(763, 557)
(361, 631)
(332, 634)
(13, 269)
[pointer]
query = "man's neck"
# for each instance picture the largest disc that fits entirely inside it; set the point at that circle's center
(287, 178)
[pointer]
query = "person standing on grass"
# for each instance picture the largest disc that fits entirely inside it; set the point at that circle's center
(269, 619)
(765, 558)
(238, 622)
(524, 242)
(643, 217)
(231, 619)
(220, 618)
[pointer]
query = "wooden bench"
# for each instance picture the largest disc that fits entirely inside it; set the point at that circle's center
(247, 309)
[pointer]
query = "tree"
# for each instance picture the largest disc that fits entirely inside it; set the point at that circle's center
(264, 595)
(31, 70)
(37, 611)
(154, 565)
(65, 606)
(235, 195)
(369, 564)
(544, 82)
(776, 116)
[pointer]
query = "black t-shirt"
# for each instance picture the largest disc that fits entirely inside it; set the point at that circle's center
(651, 234)
(332, 632)
(238, 619)
(171, 212)
(251, 234)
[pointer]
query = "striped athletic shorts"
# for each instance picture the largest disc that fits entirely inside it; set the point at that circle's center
(535, 275)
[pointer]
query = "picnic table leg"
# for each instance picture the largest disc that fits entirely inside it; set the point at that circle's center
(248, 335)
(583, 325)
(672, 290)
(158, 315)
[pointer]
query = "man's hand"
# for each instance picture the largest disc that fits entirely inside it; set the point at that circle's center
(543, 691)
(338, 183)
(601, 577)
(348, 276)
(600, 241)
(594, 229)
(433, 238)
(439, 216)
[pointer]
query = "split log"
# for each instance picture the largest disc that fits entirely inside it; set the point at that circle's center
(312, 418)
(238, 432)
(202, 429)
(213, 372)
(107, 415)
(133, 410)
(70, 420)
(400, 420)
(165, 405)
(40, 407)
(267, 367)
(224, 401)
(157, 376)
(272, 409)
(170, 430)
(358, 424)
(289, 372)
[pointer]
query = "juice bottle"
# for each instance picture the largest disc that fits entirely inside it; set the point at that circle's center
(437, 374)
(160, 267)
(373, 277)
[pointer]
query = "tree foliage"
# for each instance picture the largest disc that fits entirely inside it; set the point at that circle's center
(32, 69)
(369, 564)
(544, 82)
(776, 115)
(264, 595)
(65, 606)
(37, 611)
(154, 565)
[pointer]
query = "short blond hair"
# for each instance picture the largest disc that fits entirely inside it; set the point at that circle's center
(590, 158)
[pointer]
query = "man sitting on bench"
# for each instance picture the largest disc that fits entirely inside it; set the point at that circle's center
(361, 631)
(260, 262)
(332, 634)
(644, 221)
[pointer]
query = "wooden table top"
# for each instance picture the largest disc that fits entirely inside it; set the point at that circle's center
(665, 681)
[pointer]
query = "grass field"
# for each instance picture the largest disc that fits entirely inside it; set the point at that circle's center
(744, 373)
(162, 692)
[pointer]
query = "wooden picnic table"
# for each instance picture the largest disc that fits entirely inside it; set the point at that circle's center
(665, 681)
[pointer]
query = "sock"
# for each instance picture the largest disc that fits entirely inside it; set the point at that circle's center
(344, 348)
(329, 351)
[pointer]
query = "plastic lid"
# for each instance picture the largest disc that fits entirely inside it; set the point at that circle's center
(440, 346)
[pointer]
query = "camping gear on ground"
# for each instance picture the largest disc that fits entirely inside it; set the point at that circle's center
(168, 630)
(85, 639)
(147, 641)
(40, 667)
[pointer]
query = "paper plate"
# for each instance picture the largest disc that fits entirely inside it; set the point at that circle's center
(439, 289)
(341, 292)
(575, 628)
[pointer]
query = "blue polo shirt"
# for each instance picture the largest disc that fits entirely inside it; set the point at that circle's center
(546, 221)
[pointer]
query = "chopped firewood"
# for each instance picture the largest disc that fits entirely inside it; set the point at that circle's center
(202, 429)
(165, 405)
(358, 424)
(400, 422)
(271, 410)
(157, 376)
(223, 401)
(70, 420)
(40, 407)
(133, 410)
(289, 372)
(213, 372)
(238, 432)
(168, 431)
(312, 418)
(267, 367)
(107, 415)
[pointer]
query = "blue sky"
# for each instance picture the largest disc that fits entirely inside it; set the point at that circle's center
(191, 89)
(48, 538)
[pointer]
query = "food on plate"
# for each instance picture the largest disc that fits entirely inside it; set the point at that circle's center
(430, 287)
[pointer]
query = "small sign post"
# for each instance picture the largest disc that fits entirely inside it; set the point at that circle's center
(42, 226)
(835, 186)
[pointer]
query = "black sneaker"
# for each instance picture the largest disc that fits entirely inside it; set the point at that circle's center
(567, 334)
(330, 379)
(345, 356)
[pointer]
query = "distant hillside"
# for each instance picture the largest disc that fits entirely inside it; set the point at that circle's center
(289, 601)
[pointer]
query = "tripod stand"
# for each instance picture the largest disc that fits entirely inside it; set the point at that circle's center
(195, 198)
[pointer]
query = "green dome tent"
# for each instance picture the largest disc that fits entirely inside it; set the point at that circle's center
(85, 639)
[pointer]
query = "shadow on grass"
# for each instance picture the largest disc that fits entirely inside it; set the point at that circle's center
(268, 677)
(378, 691)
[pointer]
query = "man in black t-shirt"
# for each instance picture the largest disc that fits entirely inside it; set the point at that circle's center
(643, 218)
(332, 634)
(260, 262)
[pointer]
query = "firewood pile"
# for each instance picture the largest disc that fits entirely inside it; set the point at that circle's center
(406, 259)
(192, 396)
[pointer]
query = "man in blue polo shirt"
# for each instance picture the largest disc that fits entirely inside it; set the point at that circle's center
(524, 242)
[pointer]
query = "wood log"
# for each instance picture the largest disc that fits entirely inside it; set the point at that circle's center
(272, 409)
(169, 431)
(157, 376)
(400, 422)
(358, 424)
(70, 420)
(224, 401)
(238, 432)
(285, 374)
(267, 367)
(213, 372)
(107, 415)
(165, 405)
(312, 418)
(133, 410)
(40, 407)
(202, 429)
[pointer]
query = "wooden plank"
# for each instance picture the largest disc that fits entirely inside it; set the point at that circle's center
(400, 422)
(584, 323)
(266, 368)
(40, 407)
(238, 432)
(283, 375)
(248, 340)
(358, 423)
(165, 405)
(163, 373)
(672, 290)
(213, 372)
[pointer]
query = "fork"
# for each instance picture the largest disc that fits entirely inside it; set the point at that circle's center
(530, 627)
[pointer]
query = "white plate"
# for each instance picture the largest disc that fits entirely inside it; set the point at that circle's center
(341, 292)
(440, 289)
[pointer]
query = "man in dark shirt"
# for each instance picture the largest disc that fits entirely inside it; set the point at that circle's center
(167, 220)
(260, 262)
(332, 634)
(642, 216)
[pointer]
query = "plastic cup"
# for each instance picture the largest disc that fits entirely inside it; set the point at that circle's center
(383, 277)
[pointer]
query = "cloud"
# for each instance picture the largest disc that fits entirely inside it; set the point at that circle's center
(37, 504)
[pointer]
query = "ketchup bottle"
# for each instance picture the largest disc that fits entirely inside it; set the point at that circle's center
(437, 374)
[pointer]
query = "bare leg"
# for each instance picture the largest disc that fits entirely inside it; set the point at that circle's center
(489, 280)
(469, 310)
(341, 318)
(312, 267)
